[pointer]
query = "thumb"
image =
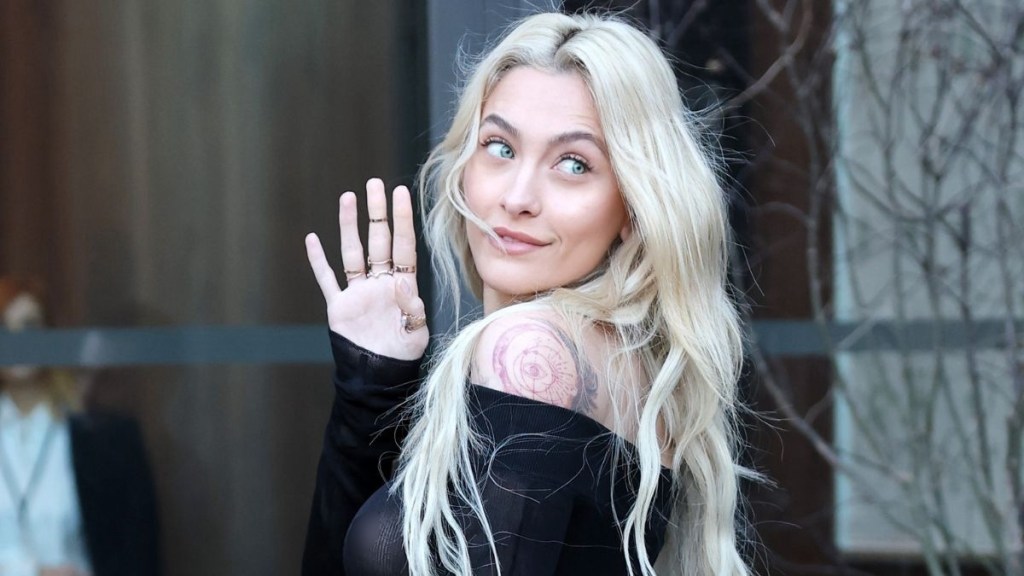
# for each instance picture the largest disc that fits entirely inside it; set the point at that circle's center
(407, 300)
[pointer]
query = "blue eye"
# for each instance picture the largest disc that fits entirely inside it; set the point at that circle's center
(571, 165)
(499, 149)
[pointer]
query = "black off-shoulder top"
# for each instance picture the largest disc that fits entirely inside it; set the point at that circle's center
(553, 492)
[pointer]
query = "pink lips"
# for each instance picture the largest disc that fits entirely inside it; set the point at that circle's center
(515, 243)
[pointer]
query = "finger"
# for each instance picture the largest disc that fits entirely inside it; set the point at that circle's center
(351, 245)
(404, 243)
(379, 237)
(321, 269)
(407, 301)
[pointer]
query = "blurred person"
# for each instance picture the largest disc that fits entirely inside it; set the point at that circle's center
(584, 425)
(77, 496)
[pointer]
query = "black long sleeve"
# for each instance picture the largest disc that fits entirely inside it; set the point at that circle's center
(116, 495)
(359, 447)
(554, 490)
(553, 485)
(553, 493)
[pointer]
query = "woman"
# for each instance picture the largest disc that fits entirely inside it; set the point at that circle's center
(584, 424)
(77, 496)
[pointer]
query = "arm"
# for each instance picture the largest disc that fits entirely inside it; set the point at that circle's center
(551, 491)
(529, 533)
(547, 487)
(378, 336)
(534, 357)
(562, 521)
(359, 446)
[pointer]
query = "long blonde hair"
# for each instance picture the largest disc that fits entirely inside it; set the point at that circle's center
(662, 290)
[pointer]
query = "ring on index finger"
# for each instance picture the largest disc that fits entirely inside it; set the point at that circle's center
(351, 275)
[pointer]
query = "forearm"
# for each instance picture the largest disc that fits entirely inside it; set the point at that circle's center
(360, 443)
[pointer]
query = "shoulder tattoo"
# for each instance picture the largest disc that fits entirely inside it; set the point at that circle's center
(538, 360)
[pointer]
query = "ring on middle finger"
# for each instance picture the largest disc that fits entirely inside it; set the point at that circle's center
(376, 273)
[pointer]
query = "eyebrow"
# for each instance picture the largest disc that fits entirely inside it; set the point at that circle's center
(563, 138)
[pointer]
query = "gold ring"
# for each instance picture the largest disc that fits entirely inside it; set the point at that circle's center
(412, 323)
(353, 274)
(405, 269)
(378, 220)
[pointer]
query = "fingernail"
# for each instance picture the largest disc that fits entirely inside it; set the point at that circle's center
(403, 284)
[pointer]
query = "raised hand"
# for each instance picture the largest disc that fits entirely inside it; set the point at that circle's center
(380, 310)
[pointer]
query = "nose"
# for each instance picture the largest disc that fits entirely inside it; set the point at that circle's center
(522, 195)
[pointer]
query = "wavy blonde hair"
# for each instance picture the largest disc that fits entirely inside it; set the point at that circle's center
(662, 290)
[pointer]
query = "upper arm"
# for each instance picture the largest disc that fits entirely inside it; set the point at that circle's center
(530, 534)
(534, 357)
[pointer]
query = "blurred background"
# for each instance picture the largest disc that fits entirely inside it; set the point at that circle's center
(161, 162)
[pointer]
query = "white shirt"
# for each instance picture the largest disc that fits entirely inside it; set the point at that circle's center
(52, 532)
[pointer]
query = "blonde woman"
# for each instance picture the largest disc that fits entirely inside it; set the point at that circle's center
(76, 494)
(584, 424)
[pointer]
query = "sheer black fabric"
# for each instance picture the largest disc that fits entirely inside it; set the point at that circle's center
(360, 445)
(551, 487)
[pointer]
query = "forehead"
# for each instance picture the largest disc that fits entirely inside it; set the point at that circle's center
(545, 101)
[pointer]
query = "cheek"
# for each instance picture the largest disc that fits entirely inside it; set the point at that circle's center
(473, 234)
(471, 182)
(602, 222)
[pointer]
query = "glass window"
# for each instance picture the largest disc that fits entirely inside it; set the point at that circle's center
(163, 162)
(928, 249)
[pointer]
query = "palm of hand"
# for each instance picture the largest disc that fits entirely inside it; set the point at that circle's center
(370, 310)
(368, 314)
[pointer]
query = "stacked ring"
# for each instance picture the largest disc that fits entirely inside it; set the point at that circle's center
(377, 273)
(412, 323)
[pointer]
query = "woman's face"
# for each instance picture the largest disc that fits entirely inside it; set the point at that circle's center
(541, 177)
(23, 313)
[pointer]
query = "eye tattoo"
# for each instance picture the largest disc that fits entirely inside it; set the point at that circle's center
(540, 361)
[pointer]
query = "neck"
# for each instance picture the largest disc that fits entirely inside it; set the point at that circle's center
(493, 300)
(26, 394)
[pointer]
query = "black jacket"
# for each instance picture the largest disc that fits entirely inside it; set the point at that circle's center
(115, 492)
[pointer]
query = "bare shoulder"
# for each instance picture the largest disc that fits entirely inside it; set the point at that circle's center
(536, 357)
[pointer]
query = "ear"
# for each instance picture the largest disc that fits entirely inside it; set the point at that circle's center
(627, 230)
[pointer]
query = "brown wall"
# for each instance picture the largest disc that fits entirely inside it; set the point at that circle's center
(160, 163)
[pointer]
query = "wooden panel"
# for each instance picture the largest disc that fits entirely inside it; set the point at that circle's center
(31, 216)
(160, 163)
